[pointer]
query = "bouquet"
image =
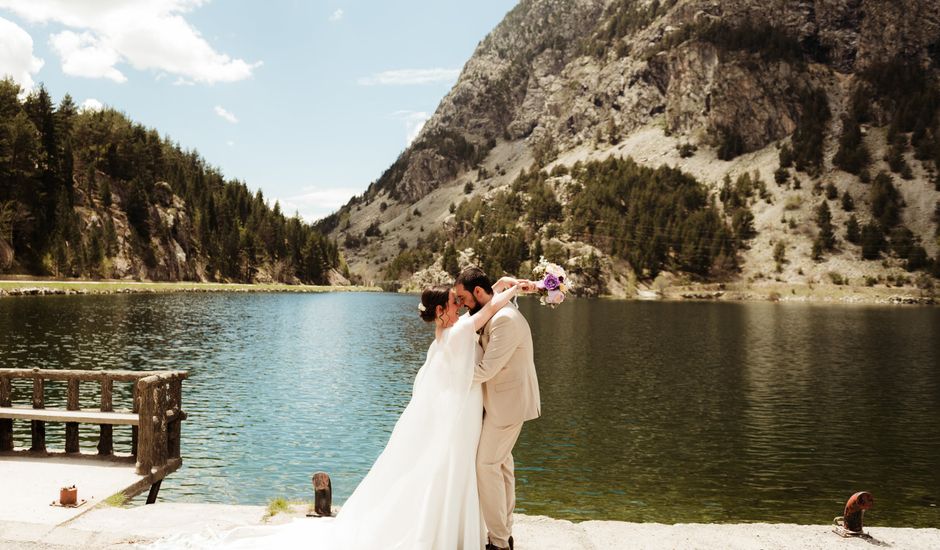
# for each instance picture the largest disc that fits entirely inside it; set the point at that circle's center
(553, 284)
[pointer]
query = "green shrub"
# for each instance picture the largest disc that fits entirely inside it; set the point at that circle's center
(780, 255)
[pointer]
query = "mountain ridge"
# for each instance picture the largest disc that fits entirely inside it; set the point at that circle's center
(715, 89)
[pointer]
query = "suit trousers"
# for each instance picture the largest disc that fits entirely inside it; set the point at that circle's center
(496, 479)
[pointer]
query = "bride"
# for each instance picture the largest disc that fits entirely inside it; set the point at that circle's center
(421, 493)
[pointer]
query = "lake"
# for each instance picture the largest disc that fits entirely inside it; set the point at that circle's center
(667, 412)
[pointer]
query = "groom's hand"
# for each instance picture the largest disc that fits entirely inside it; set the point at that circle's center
(526, 285)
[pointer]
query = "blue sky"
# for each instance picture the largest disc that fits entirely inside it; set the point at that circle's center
(307, 100)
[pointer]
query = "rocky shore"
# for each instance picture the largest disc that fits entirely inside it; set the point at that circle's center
(798, 293)
(126, 527)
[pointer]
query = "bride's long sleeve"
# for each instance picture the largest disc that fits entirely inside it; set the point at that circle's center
(497, 302)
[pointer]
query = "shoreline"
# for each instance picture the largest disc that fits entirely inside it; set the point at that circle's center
(121, 526)
(779, 292)
(709, 292)
(40, 287)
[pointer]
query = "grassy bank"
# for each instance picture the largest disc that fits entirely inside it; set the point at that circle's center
(43, 287)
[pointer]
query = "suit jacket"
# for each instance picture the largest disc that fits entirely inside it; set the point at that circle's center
(507, 370)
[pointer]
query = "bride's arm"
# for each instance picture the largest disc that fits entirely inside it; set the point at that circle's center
(499, 300)
(503, 283)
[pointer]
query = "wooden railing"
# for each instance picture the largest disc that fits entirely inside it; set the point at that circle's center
(155, 418)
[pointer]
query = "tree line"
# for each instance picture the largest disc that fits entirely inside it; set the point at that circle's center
(68, 177)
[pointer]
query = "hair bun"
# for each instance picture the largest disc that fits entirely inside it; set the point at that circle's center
(431, 298)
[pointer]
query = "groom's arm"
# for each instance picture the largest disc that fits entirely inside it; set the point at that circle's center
(504, 339)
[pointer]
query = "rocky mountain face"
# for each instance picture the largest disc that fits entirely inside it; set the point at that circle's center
(714, 89)
(172, 254)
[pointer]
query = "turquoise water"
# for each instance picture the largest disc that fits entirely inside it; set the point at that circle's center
(669, 412)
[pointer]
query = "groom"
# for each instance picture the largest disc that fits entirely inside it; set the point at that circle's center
(510, 397)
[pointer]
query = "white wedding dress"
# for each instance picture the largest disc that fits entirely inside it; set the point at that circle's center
(421, 493)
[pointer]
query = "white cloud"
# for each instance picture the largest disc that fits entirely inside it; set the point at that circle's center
(225, 114)
(146, 34)
(230, 143)
(414, 122)
(16, 54)
(91, 104)
(337, 15)
(314, 203)
(405, 77)
(86, 55)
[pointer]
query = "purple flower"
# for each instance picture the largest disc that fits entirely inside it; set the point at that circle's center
(555, 297)
(550, 282)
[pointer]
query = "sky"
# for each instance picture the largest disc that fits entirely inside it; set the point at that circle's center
(307, 100)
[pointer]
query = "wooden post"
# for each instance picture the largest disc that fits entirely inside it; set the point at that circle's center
(38, 427)
(135, 407)
(6, 424)
(145, 434)
(161, 445)
(174, 422)
(154, 491)
(106, 440)
(322, 494)
(71, 428)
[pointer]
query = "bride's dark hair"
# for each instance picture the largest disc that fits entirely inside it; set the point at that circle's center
(431, 298)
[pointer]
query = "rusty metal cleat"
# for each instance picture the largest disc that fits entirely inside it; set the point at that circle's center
(849, 524)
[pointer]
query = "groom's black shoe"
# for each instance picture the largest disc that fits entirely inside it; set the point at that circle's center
(494, 547)
(510, 543)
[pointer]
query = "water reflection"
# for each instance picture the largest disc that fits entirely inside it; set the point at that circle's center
(665, 412)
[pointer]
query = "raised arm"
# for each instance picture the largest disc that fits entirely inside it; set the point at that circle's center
(503, 283)
(524, 285)
(499, 300)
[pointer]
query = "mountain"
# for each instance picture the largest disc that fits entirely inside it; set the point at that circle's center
(92, 194)
(691, 141)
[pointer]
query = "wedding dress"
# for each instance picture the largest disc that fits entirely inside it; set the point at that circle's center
(421, 493)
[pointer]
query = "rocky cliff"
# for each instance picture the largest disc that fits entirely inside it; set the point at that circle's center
(714, 89)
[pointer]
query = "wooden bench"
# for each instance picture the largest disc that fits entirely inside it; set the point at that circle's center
(79, 416)
(155, 420)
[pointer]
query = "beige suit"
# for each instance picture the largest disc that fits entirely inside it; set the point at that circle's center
(510, 397)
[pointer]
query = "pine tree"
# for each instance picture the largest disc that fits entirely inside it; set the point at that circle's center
(873, 241)
(105, 192)
(852, 233)
(885, 200)
(852, 155)
(848, 203)
(449, 260)
(827, 237)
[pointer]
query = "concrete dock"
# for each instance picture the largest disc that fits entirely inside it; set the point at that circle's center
(126, 527)
(28, 485)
